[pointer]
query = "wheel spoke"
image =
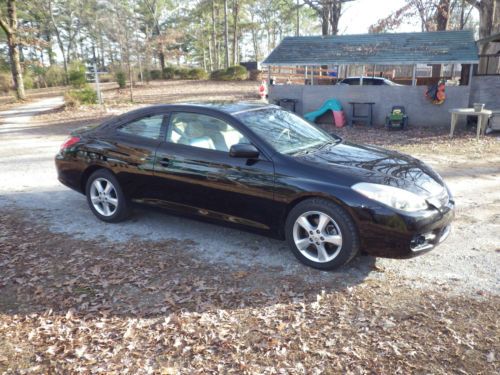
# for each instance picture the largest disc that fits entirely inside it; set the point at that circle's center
(304, 223)
(113, 201)
(334, 239)
(322, 254)
(95, 200)
(303, 244)
(98, 186)
(108, 187)
(107, 210)
(323, 222)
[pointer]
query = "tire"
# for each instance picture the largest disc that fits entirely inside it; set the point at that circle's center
(117, 206)
(332, 221)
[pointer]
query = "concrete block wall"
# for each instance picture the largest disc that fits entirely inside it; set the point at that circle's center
(486, 89)
(421, 112)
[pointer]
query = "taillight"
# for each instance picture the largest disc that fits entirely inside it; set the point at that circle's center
(69, 142)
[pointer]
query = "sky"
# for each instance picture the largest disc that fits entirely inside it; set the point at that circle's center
(359, 15)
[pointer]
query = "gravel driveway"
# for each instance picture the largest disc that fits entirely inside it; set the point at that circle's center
(468, 262)
(161, 294)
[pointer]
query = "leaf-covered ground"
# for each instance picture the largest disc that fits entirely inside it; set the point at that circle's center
(71, 306)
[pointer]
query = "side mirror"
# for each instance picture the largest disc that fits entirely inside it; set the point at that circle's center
(244, 150)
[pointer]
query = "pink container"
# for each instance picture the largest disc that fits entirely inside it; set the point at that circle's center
(339, 118)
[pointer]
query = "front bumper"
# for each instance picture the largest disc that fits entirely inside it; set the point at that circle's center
(385, 233)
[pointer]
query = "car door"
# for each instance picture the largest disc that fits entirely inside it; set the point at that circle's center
(198, 175)
(131, 151)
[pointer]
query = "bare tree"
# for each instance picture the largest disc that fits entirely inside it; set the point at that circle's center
(9, 26)
(329, 11)
(226, 37)
(489, 16)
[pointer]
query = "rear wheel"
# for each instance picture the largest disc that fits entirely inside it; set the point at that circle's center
(105, 197)
(321, 234)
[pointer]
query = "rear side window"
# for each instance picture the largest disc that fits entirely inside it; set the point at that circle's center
(351, 81)
(145, 127)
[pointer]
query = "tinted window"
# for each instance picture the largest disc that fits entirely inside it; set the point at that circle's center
(379, 82)
(351, 81)
(203, 131)
(146, 127)
(368, 81)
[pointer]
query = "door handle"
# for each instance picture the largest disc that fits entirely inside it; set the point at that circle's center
(212, 177)
(164, 162)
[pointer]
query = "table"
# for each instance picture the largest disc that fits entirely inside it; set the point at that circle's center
(482, 118)
(368, 117)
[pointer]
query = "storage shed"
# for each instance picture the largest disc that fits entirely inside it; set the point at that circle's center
(310, 67)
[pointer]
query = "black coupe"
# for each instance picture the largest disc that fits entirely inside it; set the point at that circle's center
(260, 167)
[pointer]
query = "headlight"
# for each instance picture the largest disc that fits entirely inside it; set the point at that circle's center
(391, 196)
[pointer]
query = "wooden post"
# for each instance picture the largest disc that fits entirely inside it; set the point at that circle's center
(305, 75)
(414, 75)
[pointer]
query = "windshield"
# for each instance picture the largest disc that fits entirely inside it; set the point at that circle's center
(285, 131)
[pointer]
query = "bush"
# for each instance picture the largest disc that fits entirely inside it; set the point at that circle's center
(197, 73)
(146, 75)
(169, 72)
(105, 77)
(55, 76)
(237, 73)
(76, 73)
(255, 75)
(216, 75)
(155, 74)
(28, 80)
(5, 82)
(121, 79)
(75, 97)
(233, 73)
(182, 73)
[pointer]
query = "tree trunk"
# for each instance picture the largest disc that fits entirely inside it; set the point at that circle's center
(214, 37)
(442, 15)
(226, 37)
(15, 64)
(335, 13)
(324, 21)
(10, 28)
(489, 16)
(235, 32)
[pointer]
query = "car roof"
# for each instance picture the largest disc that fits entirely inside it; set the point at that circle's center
(357, 77)
(226, 107)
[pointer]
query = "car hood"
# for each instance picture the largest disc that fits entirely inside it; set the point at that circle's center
(364, 163)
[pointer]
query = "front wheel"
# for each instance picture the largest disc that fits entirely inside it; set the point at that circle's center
(321, 234)
(105, 197)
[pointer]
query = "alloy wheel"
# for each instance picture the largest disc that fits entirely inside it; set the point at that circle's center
(104, 197)
(317, 236)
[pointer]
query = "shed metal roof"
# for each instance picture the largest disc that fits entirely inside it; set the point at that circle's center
(439, 47)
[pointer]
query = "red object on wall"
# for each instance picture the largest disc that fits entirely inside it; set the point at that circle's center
(339, 119)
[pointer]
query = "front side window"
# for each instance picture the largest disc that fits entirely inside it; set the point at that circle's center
(146, 127)
(203, 131)
(286, 132)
